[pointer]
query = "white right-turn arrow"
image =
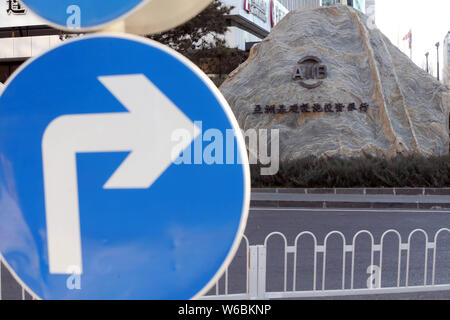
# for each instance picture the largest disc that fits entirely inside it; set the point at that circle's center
(145, 131)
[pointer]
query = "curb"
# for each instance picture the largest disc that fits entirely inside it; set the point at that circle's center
(347, 205)
(361, 191)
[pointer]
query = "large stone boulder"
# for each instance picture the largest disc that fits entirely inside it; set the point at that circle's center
(335, 85)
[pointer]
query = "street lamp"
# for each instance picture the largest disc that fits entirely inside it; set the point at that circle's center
(437, 46)
(426, 55)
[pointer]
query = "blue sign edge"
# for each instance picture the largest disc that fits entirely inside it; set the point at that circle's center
(228, 112)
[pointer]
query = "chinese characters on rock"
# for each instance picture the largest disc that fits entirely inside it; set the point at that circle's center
(311, 108)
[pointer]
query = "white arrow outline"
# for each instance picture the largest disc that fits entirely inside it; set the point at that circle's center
(145, 131)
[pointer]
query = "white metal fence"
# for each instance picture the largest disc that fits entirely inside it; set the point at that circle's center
(255, 265)
(257, 276)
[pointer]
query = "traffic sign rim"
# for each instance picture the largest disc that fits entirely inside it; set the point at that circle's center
(228, 112)
(93, 28)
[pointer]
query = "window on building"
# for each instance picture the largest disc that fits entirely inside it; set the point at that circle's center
(357, 4)
(330, 2)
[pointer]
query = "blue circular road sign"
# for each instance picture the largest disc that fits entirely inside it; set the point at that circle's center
(82, 14)
(121, 173)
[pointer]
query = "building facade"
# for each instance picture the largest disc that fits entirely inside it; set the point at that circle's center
(251, 21)
(366, 6)
(446, 67)
(371, 8)
(446, 53)
(304, 4)
(357, 4)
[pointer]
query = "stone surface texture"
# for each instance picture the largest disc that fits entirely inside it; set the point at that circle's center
(409, 109)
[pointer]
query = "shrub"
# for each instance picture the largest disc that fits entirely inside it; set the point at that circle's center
(368, 172)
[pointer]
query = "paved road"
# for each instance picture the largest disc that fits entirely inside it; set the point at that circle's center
(322, 221)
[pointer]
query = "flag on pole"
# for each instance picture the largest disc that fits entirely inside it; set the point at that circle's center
(409, 37)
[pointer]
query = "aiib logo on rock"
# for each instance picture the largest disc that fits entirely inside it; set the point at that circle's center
(310, 72)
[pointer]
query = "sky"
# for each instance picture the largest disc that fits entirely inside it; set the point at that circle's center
(429, 21)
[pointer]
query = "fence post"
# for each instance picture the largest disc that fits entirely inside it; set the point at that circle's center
(253, 272)
(257, 273)
(261, 272)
